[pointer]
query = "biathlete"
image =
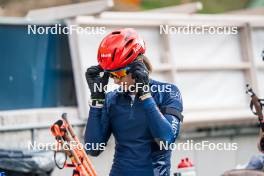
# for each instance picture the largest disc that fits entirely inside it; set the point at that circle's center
(141, 114)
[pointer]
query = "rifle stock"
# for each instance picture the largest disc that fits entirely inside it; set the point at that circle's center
(256, 105)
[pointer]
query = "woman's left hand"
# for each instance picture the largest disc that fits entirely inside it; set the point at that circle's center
(141, 75)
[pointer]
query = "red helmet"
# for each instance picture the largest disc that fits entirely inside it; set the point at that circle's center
(120, 48)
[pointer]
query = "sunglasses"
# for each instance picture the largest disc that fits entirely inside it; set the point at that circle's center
(119, 73)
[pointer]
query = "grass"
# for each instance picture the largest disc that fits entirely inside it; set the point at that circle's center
(209, 6)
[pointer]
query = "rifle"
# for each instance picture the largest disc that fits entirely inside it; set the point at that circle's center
(256, 106)
(69, 143)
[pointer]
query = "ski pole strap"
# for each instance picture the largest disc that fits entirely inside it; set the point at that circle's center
(56, 162)
(172, 111)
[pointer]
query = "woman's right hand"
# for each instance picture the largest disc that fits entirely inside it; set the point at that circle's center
(96, 83)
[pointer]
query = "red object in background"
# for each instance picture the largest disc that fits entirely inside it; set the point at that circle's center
(189, 162)
(136, 2)
(185, 163)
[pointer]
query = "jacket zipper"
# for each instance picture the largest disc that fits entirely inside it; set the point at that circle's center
(132, 106)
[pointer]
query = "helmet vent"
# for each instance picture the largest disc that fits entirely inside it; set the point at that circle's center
(130, 53)
(129, 42)
(116, 32)
(113, 55)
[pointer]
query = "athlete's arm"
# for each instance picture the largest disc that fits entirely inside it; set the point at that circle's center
(163, 127)
(164, 123)
(97, 131)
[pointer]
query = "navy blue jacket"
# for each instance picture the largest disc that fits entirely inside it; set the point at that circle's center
(138, 127)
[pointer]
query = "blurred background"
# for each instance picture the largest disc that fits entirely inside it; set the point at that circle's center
(20, 8)
(42, 75)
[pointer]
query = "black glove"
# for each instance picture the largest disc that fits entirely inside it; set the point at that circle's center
(93, 78)
(141, 75)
